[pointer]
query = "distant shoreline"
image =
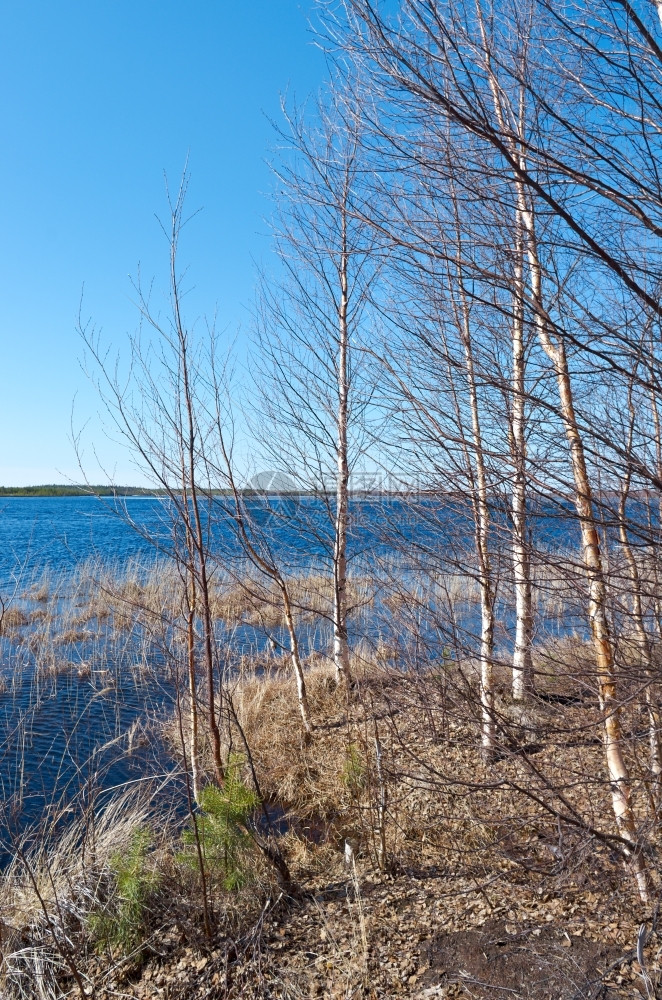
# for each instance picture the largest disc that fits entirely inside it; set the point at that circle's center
(127, 492)
(76, 491)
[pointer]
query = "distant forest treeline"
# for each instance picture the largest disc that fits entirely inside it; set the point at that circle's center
(126, 491)
(74, 491)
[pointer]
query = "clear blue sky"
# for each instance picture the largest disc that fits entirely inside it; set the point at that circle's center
(98, 98)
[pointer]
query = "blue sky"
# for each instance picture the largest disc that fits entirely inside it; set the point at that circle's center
(97, 100)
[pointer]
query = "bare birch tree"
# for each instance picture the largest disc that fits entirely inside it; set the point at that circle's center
(156, 411)
(311, 386)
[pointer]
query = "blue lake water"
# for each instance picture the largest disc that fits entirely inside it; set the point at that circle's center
(61, 533)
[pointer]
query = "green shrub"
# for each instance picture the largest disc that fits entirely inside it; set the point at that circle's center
(227, 847)
(121, 924)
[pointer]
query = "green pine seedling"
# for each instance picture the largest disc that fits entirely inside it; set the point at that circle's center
(121, 924)
(221, 829)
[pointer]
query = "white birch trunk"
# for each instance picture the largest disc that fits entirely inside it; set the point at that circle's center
(340, 639)
(597, 610)
(522, 663)
(302, 695)
(642, 640)
(482, 525)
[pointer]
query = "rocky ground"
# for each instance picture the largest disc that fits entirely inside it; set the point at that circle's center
(411, 934)
(468, 878)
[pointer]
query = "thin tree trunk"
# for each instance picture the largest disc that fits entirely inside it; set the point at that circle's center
(522, 662)
(209, 655)
(296, 660)
(196, 531)
(191, 601)
(340, 639)
(482, 527)
(597, 608)
(194, 745)
(641, 635)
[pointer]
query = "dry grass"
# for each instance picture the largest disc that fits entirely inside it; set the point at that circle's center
(50, 889)
(65, 867)
(13, 618)
(302, 776)
(445, 803)
(101, 599)
(128, 595)
(253, 601)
